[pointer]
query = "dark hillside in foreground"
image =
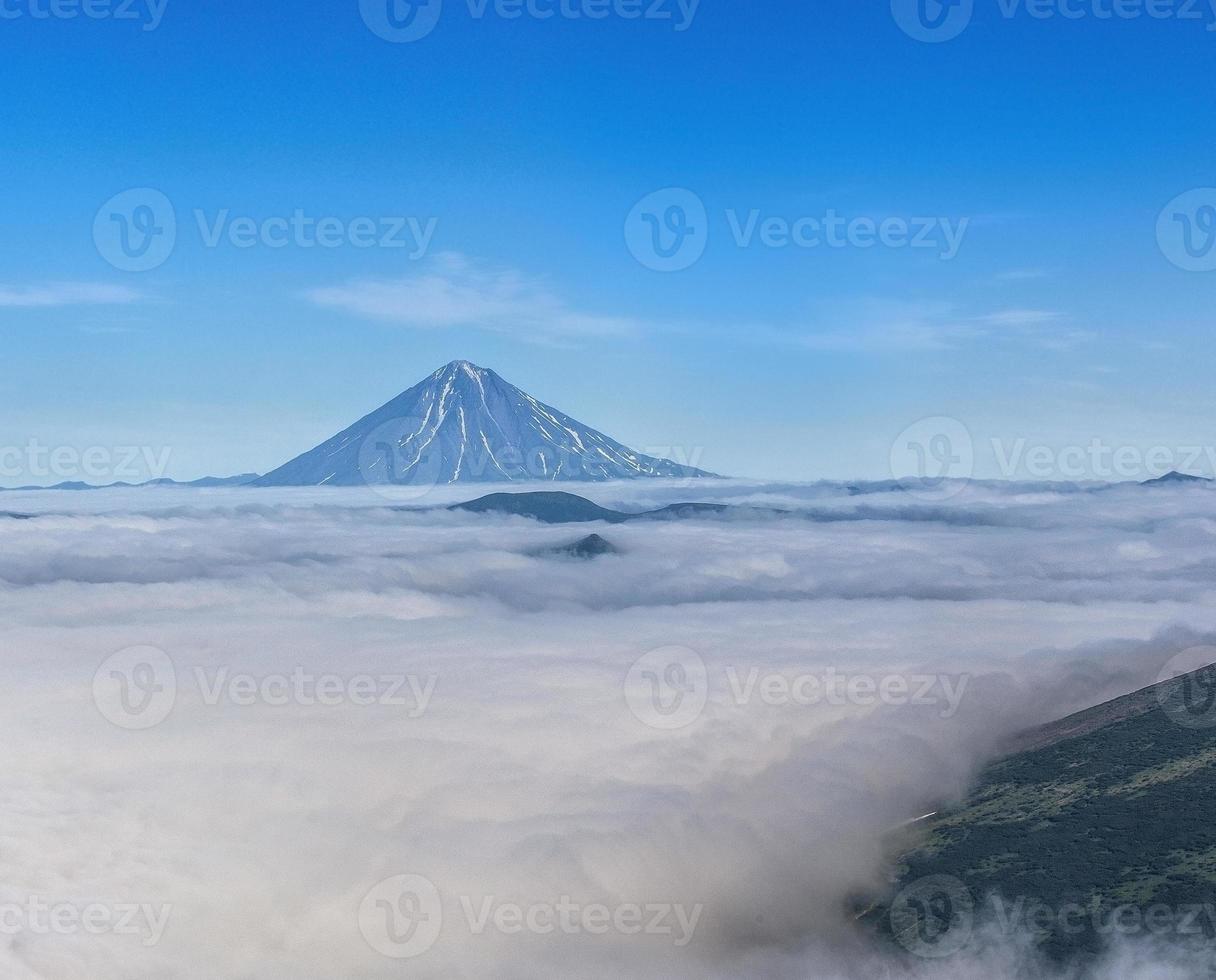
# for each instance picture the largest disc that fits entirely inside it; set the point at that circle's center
(1103, 825)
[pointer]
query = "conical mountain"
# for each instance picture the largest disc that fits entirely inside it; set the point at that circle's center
(465, 424)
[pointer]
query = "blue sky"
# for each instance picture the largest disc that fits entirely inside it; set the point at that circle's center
(1049, 144)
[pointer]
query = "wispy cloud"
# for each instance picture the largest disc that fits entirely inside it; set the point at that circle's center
(883, 327)
(1022, 275)
(66, 294)
(457, 291)
(1020, 318)
(895, 336)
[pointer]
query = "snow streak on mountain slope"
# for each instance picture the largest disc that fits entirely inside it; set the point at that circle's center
(465, 424)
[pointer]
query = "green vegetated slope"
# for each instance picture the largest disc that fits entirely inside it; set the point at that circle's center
(1103, 825)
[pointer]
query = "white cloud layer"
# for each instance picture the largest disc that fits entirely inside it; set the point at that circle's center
(528, 779)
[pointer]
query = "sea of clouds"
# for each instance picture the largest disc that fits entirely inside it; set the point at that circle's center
(254, 733)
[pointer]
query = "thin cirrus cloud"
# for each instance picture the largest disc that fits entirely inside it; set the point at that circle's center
(52, 294)
(1020, 318)
(884, 328)
(1022, 275)
(457, 291)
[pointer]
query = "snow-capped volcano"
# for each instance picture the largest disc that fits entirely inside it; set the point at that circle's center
(465, 424)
